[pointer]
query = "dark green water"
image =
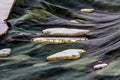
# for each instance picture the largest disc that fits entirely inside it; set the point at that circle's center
(29, 17)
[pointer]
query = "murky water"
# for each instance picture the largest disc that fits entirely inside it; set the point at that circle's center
(28, 59)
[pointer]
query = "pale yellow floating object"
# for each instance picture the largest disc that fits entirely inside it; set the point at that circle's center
(68, 54)
(5, 52)
(58, 40)
(39, 64)
(100, 66)
(87, 10)
(65, 32)
(74, 21)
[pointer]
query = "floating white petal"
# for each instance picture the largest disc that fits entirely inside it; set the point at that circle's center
(5, 52)
(65, 32)
(100, 66)
(74, 21)
(87, 10)
(68, 54)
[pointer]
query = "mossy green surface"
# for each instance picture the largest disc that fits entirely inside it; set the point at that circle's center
(113, 69)
(80, 64)
(28, 59)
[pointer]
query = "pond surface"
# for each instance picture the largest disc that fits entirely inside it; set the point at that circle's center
(28, 59)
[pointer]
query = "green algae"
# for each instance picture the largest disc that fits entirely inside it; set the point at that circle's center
(18, 57)
(39, 13)
(34, 14)
(80, 64)
(113, 69)
(40, 64)
(28, 60)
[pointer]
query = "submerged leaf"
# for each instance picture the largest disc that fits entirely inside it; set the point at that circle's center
(80, 64)
(18, 57)
(40, 64)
